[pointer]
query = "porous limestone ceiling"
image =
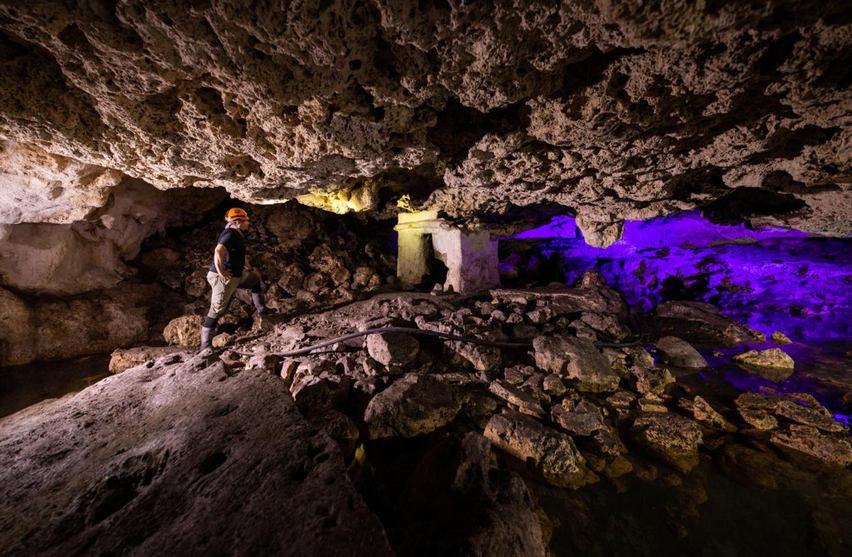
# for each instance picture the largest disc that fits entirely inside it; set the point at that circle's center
(615, 109)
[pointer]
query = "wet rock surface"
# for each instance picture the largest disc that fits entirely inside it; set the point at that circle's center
(679, 353)
(396, 349)
(87, 471)
(700, 324)
(550, 452)
(772, 363)
(673, 438)
(474, 509)
(440, 431)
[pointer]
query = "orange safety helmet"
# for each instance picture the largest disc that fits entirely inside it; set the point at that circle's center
(236, 214)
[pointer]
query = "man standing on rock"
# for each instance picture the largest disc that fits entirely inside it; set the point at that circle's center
(231, 270)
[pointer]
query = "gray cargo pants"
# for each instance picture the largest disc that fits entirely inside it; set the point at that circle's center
(224, 288)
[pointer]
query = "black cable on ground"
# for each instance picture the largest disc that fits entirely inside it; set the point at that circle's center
(415, 331)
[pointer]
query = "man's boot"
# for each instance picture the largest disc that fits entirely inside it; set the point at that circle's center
(206, 338)
(207, 329)
(260, 304)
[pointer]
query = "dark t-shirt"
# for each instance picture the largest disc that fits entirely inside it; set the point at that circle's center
(235, 259)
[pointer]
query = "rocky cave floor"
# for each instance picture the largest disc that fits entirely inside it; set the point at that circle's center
(412, 445)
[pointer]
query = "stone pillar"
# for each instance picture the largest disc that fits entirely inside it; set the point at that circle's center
(412, 260)
(414, 235)
(471, 259)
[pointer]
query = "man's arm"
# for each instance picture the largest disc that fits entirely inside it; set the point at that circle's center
(219, 260)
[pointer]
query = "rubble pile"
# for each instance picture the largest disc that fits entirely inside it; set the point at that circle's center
(307, 258)
(581, 403)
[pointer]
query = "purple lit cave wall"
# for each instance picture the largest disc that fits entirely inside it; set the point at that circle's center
(783, 275)
(769, 278)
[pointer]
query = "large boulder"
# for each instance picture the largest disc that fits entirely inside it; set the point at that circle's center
(699, 324)
(679, 353)
(393, 349)
(413, 405)
(651, 379)
(584, 419)
(670, 437)
(773, 364)
(184, 331)
(124, 359)
(90, 254)
(576, 359)
(551, 452)
(181, 459)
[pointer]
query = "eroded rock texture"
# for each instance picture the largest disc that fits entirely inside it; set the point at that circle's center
(178, 459)
(623, 110)
(90, 254)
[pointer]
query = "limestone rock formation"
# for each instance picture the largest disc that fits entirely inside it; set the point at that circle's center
(812, 449)
(184, 331)
(36, 186)
(616, 110)
(576, 359)
(89, 254)
(89, 484)
(124, 359)
(671, 437)
(413, 405)
(700, 324)
(393, 349)
(551, 452)
(679, 353)
(52, 329)
(772, 363)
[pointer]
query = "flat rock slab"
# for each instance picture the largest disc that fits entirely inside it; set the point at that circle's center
(181, 459)
(679, 353)
(773, 364)
(809, 448)
(124, 359)
(699, 324)
(516, 396)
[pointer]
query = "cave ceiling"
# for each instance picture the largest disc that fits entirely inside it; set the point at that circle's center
(616, 110)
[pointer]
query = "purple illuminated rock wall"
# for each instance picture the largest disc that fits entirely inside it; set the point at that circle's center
(772, 278)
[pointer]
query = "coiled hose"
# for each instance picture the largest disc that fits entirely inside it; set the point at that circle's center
(415, 331)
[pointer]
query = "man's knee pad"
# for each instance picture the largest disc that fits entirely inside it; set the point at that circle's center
(210, 322)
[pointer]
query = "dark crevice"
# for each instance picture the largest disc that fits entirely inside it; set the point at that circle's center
(590, 71)
(741, 204)
(776, 54)
(788, 144)
(460, 127)
(701, 182)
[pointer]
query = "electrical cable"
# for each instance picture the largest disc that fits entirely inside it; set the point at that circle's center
(415, 331)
